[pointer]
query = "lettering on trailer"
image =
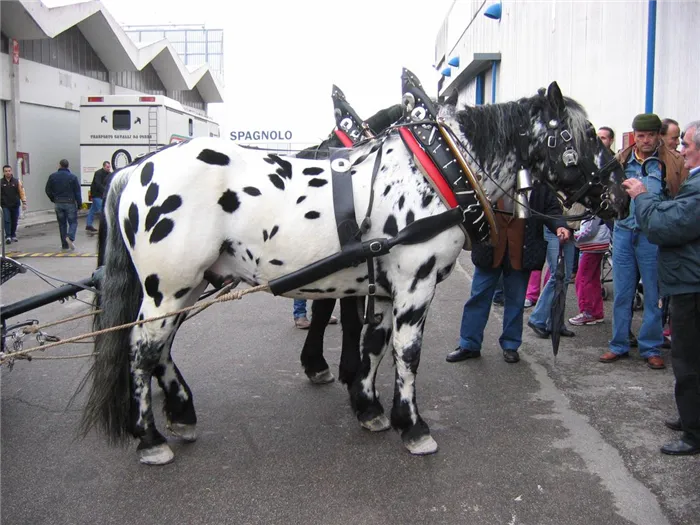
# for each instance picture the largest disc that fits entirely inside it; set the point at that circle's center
(121, 136)
(261, 135)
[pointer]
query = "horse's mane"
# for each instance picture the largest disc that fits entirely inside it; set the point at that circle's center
(492, 129)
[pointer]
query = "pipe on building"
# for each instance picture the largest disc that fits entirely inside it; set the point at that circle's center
(494, 69)
(651, 55)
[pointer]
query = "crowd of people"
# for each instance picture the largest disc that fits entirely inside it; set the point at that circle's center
(659, 243)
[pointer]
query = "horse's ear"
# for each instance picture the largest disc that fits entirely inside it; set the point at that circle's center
(555, 98)
(453, 98)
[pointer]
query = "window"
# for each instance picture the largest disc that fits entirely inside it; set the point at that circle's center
(191, 127)
(121, 119)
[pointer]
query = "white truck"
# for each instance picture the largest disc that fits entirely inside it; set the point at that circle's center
(118, 128)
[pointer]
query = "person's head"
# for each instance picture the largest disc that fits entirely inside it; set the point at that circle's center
(7, 171)
(670, 133)
(106, 166)
(63, 163)
(646, 128)
(606, 136)
(690, 145)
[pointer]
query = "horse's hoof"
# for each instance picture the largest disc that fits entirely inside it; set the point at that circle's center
(158, 455)
(422, 446)
(322, 378)
(185, 432)
(377, 424)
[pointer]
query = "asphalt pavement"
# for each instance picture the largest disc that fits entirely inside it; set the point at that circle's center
(544, 441)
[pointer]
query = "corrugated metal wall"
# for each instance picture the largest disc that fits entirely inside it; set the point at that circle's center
(596, 51)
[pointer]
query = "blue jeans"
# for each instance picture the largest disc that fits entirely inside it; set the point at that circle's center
(67, 216)
(541, 316)
(632, 253)
(299, 308)
(11, 218)
(95, 208)
(498, 295)
(477, 308)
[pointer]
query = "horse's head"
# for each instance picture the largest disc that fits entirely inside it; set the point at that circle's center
(550, 136)
(572, 158)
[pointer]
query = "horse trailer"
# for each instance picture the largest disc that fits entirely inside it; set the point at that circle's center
(119, 128)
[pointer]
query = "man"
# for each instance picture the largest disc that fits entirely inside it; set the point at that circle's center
(521, 248)
(670, 133)
(63, 189)
(674, 225)
(607, 137)
(12, 196)
(632, 251)
(98, 189)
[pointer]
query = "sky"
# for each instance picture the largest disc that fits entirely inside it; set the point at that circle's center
(281, 58)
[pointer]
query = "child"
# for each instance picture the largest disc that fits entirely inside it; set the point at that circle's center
(593, 240)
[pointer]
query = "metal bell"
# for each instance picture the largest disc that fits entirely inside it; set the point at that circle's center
(521, 207)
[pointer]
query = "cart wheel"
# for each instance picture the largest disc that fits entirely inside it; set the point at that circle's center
(605, 292)
(638, 303)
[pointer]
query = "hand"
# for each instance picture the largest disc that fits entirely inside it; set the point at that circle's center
(24, 206)
(634, 187)
(563, 234)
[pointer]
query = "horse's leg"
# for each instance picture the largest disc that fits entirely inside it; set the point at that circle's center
(315, 366)
(409, 322)
(363, 395)
(352, 330)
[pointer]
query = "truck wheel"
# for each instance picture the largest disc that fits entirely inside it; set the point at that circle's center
(120, 159)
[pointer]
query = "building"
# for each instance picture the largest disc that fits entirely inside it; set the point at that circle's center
(617, 59)
(195, 44)
(50, 57)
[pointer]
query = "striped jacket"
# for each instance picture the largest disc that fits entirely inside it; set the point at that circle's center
(593, 236)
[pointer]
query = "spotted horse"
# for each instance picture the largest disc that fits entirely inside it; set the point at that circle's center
(251, 212)
(350, 129)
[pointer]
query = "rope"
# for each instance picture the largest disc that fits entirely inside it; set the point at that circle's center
(229, 296)
(32, 329)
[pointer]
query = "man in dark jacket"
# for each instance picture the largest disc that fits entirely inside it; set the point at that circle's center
(674, 225)
(63, 189)
(12, 196)
(521, 248)
(98, 190)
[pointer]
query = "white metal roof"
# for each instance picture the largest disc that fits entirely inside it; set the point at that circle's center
(31, 20)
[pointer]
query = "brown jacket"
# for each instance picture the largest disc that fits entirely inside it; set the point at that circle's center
(675, 171)
(511, 233)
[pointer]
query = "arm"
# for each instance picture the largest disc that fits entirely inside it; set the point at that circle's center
(76, 191)
(49, 189)
(22, 194)
(553, 209)
(100, 177)
(671, 222)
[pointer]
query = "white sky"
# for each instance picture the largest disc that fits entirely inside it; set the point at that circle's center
(282, 57)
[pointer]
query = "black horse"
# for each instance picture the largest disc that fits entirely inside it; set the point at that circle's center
(315, 366)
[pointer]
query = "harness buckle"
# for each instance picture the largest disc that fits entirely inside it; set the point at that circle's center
(372, 289)
(566, 135)
(552, 141)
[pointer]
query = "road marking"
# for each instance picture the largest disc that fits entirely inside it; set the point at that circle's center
(20, 255)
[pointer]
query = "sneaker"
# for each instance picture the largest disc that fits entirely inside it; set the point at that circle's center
(8, 241)
(584, 318)
(333, 320)
(71, 245)
(90, 229)
(15, 239)
(302, 323)
(529, 303)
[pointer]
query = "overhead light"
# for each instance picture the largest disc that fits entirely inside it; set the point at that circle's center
(493, 11)
(454, 61)
(447, 72)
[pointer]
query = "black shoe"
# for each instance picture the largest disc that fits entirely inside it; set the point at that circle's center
(499, 301)
(565, 332)
(674, 424)
(90, 229)
(460, 354)
(680, 447)
(542, 334)
(511, 356)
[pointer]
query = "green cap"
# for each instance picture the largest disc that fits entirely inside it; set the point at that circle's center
(646, 122)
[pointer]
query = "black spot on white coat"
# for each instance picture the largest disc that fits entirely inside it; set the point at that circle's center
(229, 201)
(209, 156)
(274, 230)
(423, 272)
(252, 191)
(317, 183)
(146, 173)
(169, 205)
(276, 262)
(312, 215)
(161, 230)
(276, 181)
(301, 199)
(312, 171)
(151, 285)
(391, 227)
(151, 194)
(285, 167)
(181, 293)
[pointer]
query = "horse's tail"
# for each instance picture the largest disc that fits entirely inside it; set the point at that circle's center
(108, 404)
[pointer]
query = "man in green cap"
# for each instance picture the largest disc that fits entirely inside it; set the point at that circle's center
(633, 254)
